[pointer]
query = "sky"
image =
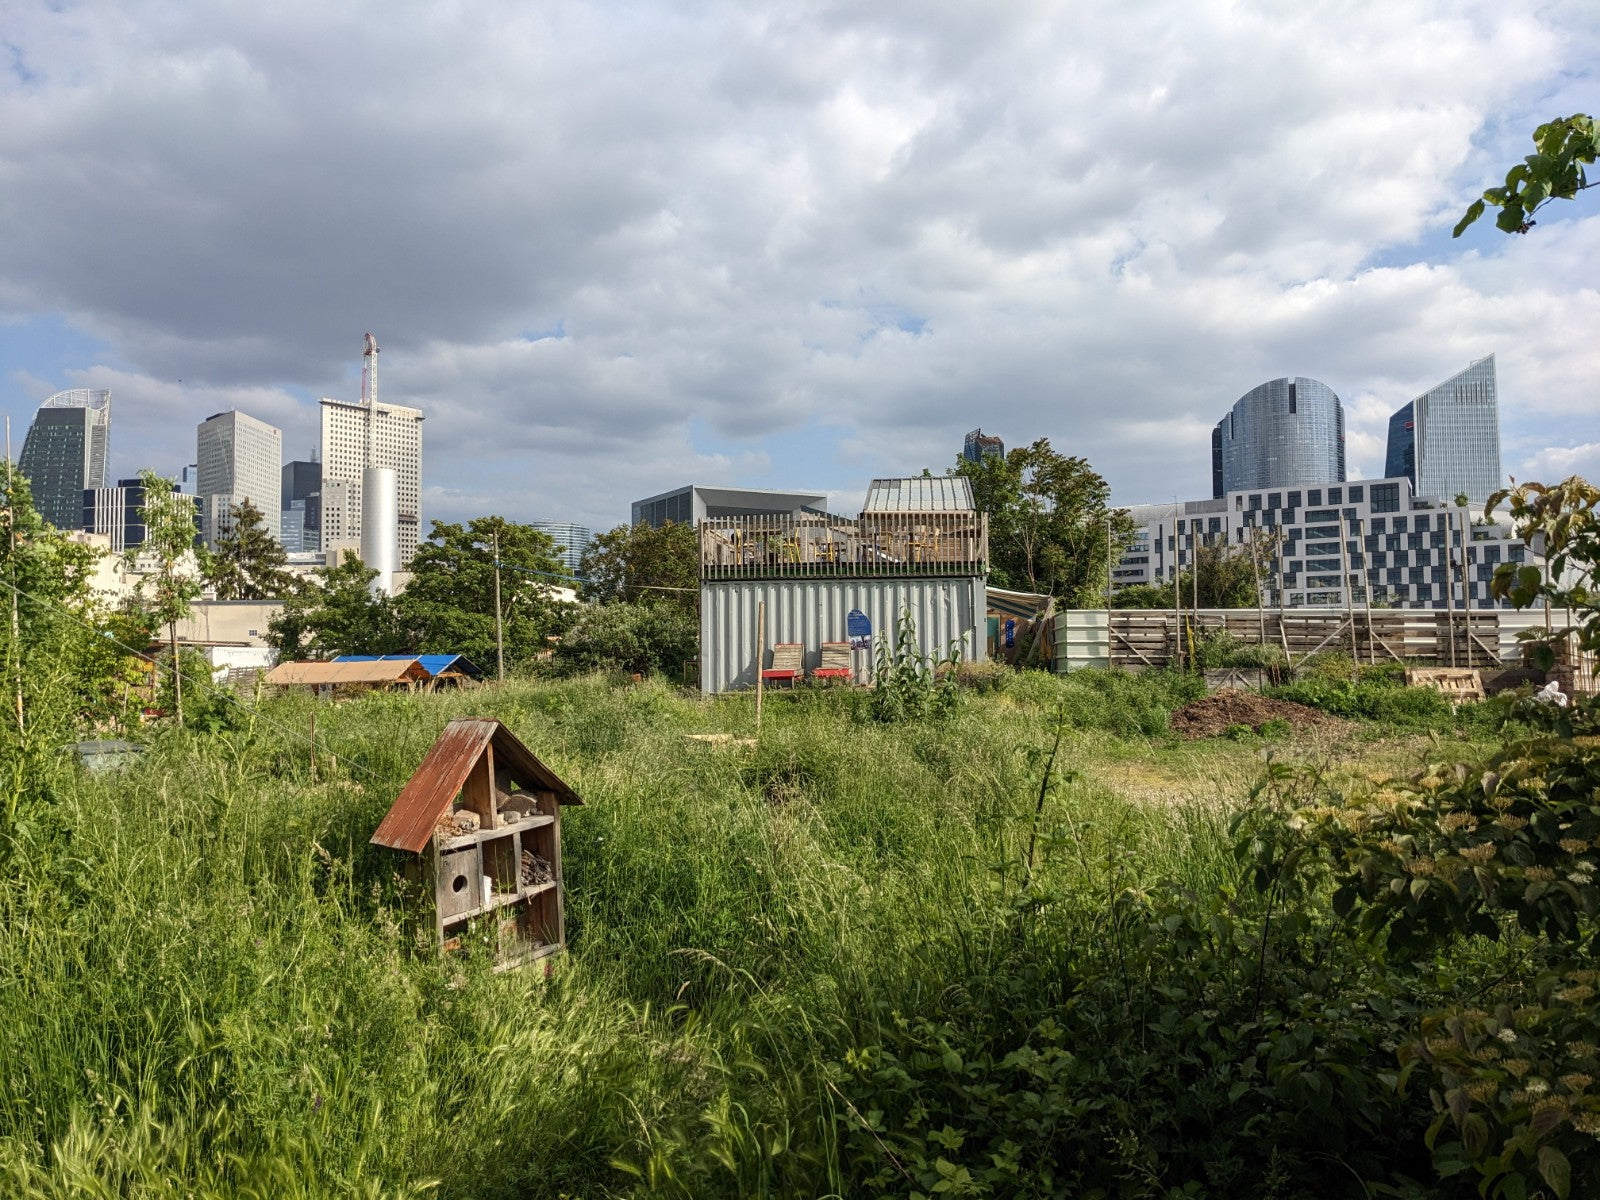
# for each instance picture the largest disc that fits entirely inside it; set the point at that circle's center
(612, 249)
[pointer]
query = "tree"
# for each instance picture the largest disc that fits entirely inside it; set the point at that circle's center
(248, 562)
(1561, 522)
(448, 607)
(633, 562)
(1050, 527)
(654, 635)
(336, 614)
(168, 591)
(1553, 172)
(1228, 579)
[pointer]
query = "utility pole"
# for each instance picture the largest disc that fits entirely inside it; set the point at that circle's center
(499, 627)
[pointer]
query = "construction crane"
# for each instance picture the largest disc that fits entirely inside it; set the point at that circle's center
(369, 389)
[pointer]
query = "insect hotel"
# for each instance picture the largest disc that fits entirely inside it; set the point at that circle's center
(480, 822)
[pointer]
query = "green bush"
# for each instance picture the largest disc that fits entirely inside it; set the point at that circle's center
(630, 637)
(1393, 705)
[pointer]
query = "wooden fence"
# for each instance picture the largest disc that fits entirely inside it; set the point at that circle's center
(1144, 638)
(877, 544)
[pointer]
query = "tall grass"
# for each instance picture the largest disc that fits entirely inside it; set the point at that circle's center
(208, 987)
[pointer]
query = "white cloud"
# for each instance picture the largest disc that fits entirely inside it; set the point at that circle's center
(789, 246)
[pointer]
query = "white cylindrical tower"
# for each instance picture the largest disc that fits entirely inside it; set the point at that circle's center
(380, 526)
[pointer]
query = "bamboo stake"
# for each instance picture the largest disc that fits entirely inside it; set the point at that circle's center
(1177, 599)
(1261, 606)
(1366, 594)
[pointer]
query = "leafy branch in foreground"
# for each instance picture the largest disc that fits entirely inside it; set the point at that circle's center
(1554, 172)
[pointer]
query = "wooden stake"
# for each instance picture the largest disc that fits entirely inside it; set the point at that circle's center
(1466, 594)
(1366, 595)
(16, 627)
(761, 654)
(499, 628)
(1177, 594)
(313, 744)
(1449, 591)
(1349, 599)
(1255, 569)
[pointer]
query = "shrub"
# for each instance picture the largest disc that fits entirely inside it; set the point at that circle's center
(643, 637)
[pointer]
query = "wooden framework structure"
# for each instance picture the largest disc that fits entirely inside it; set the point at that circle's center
(874, 544)
(480, 822)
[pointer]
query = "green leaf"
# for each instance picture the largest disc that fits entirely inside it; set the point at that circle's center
(1555, 1170)
(1474, 211)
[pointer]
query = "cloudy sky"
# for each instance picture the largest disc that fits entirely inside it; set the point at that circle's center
(613, 248)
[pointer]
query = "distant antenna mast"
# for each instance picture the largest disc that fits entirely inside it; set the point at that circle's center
(369, 388)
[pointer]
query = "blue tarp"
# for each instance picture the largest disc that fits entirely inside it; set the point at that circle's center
(433, 664)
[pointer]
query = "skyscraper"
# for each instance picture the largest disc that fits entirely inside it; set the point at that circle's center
(239, 459)
(302, 505)
(1447, 440)
(571, 540)
(66, 451)
(118, 512)
(1283, 433)
(396, 443)
(977, 445)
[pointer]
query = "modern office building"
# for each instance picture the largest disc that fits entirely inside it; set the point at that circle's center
(302, 506)
(189, 480)
(571, 541)
(1283, 433)
(977, 445)
(240, 458)
(1447, 440)
(118, 513)
(67, 450)
(1366, 540)
(691, 504)
(392, 435)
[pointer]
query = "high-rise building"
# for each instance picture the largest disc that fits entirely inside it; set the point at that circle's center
(571, 541)
(302, 505)
(240, 459)
(1447, 440)
(189, 480)
(395, 435)
(118, 513)
(978, 445)
(67, 450)
(1284, 433)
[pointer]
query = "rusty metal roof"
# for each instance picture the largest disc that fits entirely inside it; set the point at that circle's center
(410, 822)
(318, 673)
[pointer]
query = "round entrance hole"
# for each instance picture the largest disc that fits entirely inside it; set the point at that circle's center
(458, 884)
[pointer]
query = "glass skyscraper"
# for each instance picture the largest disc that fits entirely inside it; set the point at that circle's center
(571, 541)
(66, 451)
(979, 444)
(1447, 440)
(1284, 433)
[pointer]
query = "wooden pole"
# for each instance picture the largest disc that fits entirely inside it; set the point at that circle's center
(1177, 597)
(1194, 565)
(1349, 598)
(1466, 594)
(1366, 594)
(1108, 562)
(313, 744)
(1283, 600)
(1449, 592)
(16, 627)
(761, 654)
(1261, 603)
(499, 625)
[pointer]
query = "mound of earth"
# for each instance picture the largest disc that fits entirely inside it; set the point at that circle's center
(1217, 713)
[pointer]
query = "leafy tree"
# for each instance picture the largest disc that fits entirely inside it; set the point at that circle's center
(1555, 171)
(1562, 521)
(248, 562)
(449, 604)
(168, 591)
(634, 562)
(1050, 527)
(652, 635)
(336, 614)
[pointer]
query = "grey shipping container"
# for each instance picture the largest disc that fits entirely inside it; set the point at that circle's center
(948, 614)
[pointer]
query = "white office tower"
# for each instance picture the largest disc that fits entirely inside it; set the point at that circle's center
(380, 526)
(370, 434)
(239, 458)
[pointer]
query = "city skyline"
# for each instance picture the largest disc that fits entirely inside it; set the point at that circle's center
(796, 250)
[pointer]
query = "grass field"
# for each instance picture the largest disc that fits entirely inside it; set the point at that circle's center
(207, 989)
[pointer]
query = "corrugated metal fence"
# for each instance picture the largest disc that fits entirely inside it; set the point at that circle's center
(812, 611)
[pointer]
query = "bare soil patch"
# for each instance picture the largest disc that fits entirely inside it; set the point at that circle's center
(1217, 713)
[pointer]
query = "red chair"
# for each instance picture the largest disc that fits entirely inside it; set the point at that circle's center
(788, 663)
(837, 662)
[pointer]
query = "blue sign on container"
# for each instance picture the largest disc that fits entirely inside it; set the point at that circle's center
(857, 625)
